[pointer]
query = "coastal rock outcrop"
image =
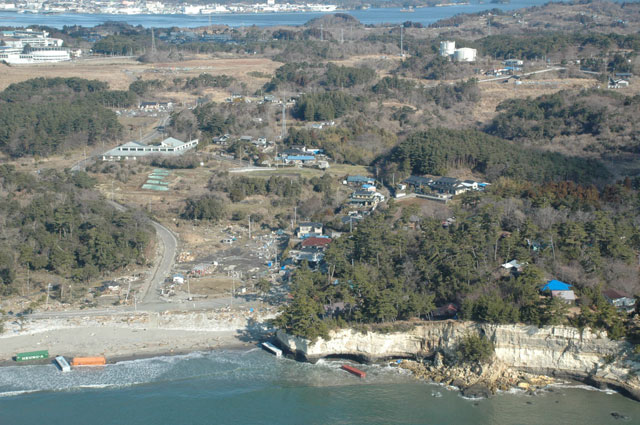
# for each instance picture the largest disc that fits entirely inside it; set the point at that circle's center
(557, 351)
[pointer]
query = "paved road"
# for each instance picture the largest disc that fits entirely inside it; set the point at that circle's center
(540, 71)
(150, 292)
(152, 307)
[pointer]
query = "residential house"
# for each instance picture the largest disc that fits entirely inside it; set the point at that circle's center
(365, 198)
(513, 265)
(449, 185)
(560, 290)
(419, 183)
(178, 279)
(299, 159)
(619, 300)
(316, 243)
(617, 83)
(308, 229)
(310, 255)
(359, 180)
(470, 184)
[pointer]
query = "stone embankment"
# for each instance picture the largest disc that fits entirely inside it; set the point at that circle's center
(521, 352)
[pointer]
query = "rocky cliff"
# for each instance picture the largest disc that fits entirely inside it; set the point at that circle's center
(556, 351)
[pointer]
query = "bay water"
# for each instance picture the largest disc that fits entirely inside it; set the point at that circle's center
(254, 387)
(425, 16)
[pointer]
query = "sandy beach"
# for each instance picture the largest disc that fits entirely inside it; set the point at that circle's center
(129, 335)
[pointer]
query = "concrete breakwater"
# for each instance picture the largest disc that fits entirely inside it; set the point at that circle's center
(556, 351)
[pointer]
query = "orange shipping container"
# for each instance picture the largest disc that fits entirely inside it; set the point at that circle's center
(88, 361)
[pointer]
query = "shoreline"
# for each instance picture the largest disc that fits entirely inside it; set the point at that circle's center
(524, 356)
(134, 336)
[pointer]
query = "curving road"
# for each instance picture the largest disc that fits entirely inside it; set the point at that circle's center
(150, 292)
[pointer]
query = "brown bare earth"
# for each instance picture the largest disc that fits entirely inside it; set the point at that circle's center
(120, 72)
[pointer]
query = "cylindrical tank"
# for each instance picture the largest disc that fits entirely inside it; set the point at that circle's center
(465, 54)
(447, 48)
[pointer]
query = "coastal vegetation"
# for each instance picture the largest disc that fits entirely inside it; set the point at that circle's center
(435, 151)
(44, 116)
(475, 348)
(54, 222)
(384, 271)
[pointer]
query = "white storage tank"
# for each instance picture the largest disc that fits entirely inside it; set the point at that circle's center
(447, 48)
(465, 54)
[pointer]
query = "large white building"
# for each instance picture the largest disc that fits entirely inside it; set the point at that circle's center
(29, 47)
(17, 56)
(133, 150)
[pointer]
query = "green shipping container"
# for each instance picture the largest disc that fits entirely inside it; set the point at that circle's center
(32, 355)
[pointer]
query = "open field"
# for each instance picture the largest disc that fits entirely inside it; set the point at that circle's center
(120, 72)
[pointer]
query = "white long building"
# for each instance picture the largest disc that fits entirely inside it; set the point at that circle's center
(30, 47)
(133, 150)
(16, 56)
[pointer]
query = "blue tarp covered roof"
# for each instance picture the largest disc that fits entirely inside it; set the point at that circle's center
(301, 158)
(556, 285)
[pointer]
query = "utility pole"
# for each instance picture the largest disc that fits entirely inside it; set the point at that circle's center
(126, 298)
(401, 41)
(153, 42)
(284, 117)
(48, 289)
(321, 32)
(249, 226)
(341, 35)
(295, 215)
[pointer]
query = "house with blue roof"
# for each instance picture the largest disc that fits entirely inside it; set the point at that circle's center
(556, 285)
(560, 290)
(300, 159)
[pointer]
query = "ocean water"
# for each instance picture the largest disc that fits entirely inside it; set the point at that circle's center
(253, 387)
(424, 16)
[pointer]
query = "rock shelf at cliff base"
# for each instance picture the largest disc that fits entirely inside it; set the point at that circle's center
(521, 353)
(476, 380)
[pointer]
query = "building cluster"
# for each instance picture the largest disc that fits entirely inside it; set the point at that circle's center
(364, 199)
(302, 156)
(312, 243)
(439, 189)
(462, 54)
(30, 46)
(511, 66)
(140, 7)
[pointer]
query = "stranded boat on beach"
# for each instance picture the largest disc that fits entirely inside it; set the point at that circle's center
(63, 364)
(272, 349)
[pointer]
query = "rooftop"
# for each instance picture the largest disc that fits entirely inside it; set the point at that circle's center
(556, 285)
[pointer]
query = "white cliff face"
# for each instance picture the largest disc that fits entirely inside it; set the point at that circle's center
(551, 350)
